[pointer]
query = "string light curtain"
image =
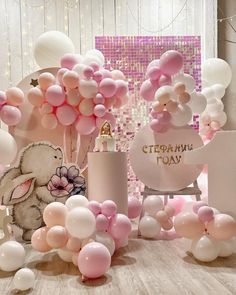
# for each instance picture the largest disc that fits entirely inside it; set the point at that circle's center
(24, 20)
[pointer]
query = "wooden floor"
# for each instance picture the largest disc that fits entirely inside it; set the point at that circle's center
(143, 267)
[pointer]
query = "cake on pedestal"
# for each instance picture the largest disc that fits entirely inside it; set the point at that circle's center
(107, 172)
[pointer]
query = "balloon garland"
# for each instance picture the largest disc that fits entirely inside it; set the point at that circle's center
(216, 75)
(212, 233)
(172, 92)
(84, 232)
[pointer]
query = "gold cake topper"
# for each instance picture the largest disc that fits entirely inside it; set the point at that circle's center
(106, 129)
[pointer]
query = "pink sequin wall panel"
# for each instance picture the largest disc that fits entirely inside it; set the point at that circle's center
(132, 54)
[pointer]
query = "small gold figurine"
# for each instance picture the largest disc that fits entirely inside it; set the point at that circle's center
(105, 141)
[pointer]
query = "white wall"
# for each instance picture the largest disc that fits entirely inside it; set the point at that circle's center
(22, 21)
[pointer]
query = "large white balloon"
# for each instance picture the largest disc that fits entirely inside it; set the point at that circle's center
(215, 106)
(216, 71)
(76, 201)
(226, 248)
(187, 80)
(205, 249)
(208, 92)
(197, 102)
(50, 48)
(182, 116)
(8, 148)
(221, 117)
(149, 227)
(12, 256)
(80, 223)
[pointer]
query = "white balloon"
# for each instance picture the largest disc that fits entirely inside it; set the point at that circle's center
(79, 69)
(153, 204)
(197, 102)
(226, 248)
(88, 88)
(188, 206)
(76, 201)
(107, 240)
(88, 60)
(166, 89)
(182, 116)
(214, 106)
(80, 223)
(8, 148)
(65, 255)
(24, 279)
(187, 80)
(221, 117)
(12, 256)
(50, 48)
(205, 249)
(97, 53)
(219, 90)
(208, 92)
(149, 227)
(216, 71)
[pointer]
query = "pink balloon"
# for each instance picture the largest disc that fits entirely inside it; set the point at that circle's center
(165, 80)
(148, 89)
(153, 63)
(95, 207)
(171, 62)
(60, 74)
(94, 66)
(205, 213)
(10, 115)
(169, 210)
(107, 87)
(36, 96)
(99, 99)
(70, 79)
(66, 115)
(188, 225)
(73, 244)
(102, 222)
(120, 243)
(94, 260)
(107, 117)
(39, 240)
(108, 208)
(222, 227)
(55, 214)
(85, 125)
(3, 98)
(97, 76)
(55, 95)
(69, 60)
(88, 72)
(134, 207)
(153, 73)
(46, 80)
(109, 102)
(118, 103)
(105, 73)
(99, 110)
(164, 117)
(57, 237)
(198, 205)
(15, 96)
(156, 125)
(49, 121)
(117, 75)
(121, 88)
(120, 226)
(177, 203)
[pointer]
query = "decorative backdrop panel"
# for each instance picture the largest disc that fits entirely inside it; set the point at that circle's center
(131, 54)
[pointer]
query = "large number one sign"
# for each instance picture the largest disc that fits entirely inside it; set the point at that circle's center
(220, 155)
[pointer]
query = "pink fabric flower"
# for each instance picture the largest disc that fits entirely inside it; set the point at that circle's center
(59, 186)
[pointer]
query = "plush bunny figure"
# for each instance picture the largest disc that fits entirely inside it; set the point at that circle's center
(25, 186)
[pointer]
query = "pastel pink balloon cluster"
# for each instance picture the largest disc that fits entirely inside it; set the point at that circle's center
(173, 93)
(211, 232)
(211, 123)
(134, 207)
(82, 93)
(10, 101)
(157, 216)
(84, 233)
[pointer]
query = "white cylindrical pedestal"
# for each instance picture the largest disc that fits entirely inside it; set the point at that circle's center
(107, 178)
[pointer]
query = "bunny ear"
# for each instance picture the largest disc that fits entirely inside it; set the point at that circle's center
(16, 188)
